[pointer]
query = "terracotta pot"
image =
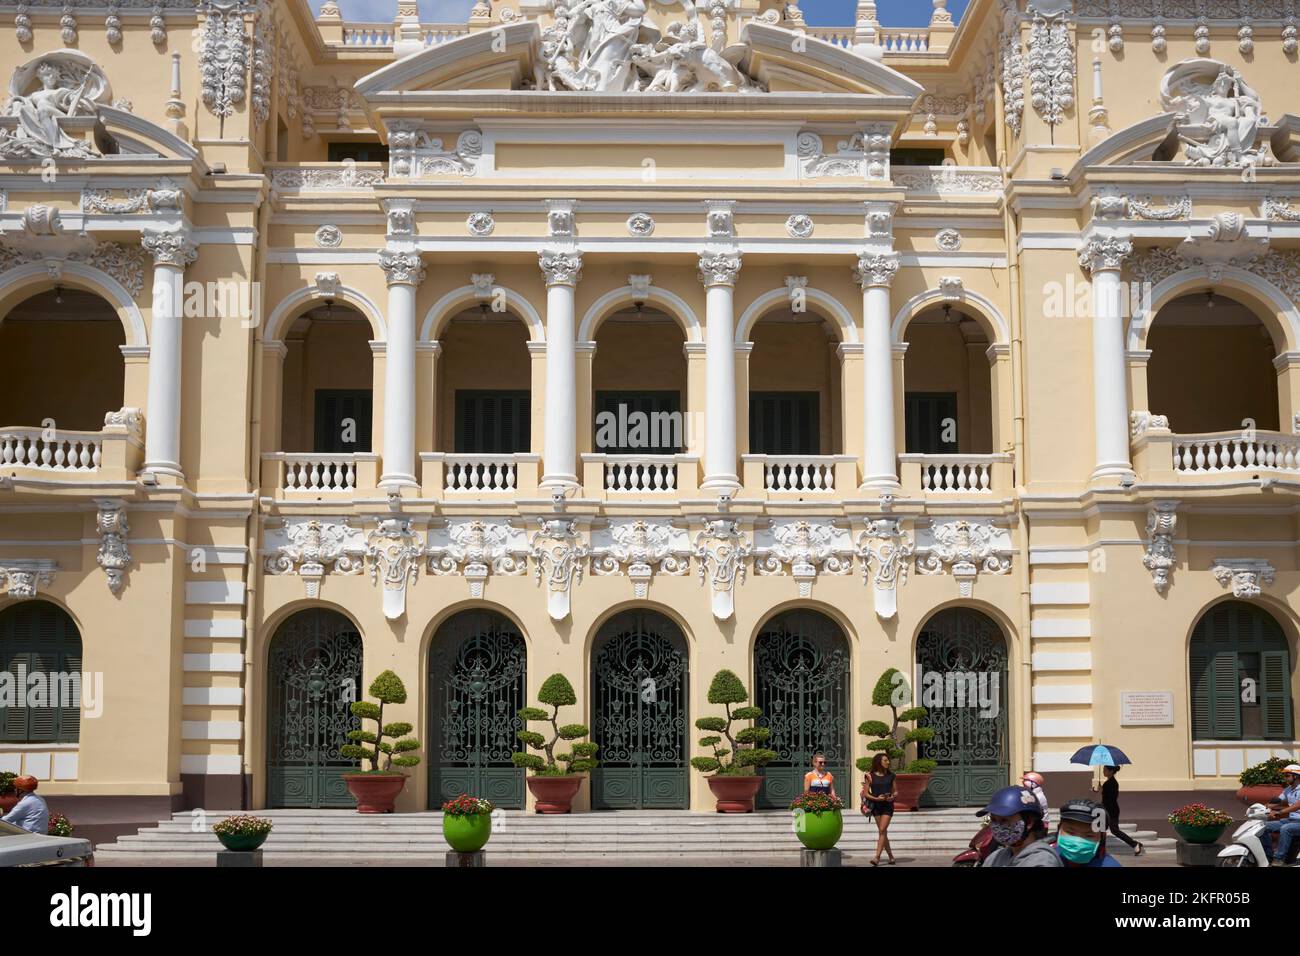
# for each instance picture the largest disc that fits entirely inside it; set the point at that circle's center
(1259, 793)
(375, 792)
(909, 787)
(734, 794)
(554, 794)
(8, 802)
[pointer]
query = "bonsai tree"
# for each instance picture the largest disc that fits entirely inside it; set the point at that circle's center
(893, 691)
(743, 752)
(387, 688)
(557, 692)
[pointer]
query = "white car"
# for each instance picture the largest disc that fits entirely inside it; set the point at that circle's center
(18, 847)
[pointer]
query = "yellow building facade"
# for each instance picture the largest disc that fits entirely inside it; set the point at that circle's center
(635, 340)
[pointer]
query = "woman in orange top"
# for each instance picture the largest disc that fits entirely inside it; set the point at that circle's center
(818, 780)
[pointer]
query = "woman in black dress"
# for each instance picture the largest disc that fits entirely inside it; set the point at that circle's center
(1110, 803)
(878, 802)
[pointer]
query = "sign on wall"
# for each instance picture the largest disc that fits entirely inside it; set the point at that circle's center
(1146, 708)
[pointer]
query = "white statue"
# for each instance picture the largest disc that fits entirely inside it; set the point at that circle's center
(1218, 114)
(45, 92)
(687, 64)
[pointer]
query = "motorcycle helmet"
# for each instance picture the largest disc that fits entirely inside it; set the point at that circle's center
(1080, 811)
(1035, 778)
(1009, 801)
(26, 782)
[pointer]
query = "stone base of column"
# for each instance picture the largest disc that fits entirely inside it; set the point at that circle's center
(164, 472)
(884, 484)
(239, 858)
(721, 484)
(819, 858)
(466, 860)
(1113, 473)
(397, 484)
(553, 483)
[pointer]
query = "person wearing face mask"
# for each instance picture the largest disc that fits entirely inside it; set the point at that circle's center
(1016, 820)
(1079, 837)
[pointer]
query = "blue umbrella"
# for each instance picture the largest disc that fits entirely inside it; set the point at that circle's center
(1100, 755)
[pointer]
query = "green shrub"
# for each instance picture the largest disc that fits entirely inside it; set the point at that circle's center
(387, 688)
(743, 752)
(892, 690)
(1268, 773)
(7, 779)
(556, 692)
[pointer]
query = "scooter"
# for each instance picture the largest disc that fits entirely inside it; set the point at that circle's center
(1247, 846)
(980, 846)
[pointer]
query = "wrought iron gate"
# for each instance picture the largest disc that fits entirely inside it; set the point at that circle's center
(477, 671)
(801, 680)
(314, 673)
(639, 671)
(970, 743)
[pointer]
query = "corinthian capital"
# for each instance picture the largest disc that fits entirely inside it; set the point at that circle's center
(561, 268)
(169, 247)
(876, 269)
(719, 268)
(1104, 252)
(402, 268)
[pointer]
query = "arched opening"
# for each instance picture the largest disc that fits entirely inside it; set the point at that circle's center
(327, 398)
(948, 386)
(478, 665)
(962, 681)
(61, 361)
(1211, 366)
(1240, 672)
(639, 679)
(638, 382)
(40, 647)
(801, 683)
(795, 386)
(313, 675)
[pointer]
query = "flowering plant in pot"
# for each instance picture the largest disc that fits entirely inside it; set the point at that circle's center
(893, 691)
(243, 832)
(1197, 823)
(467, 823)
(376, 789)
(1264, 781)
(817, 820)
(732, 770)
(60, 825)
(8, 795)
(555, 778)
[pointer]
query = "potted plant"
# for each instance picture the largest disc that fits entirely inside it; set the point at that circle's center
(376, 789)
(817, 820)
(893, 691)
(731, 769)
(467, 823)
(243, 833)
(1264, 781)
(8, 795)
(555, 777)
(1197, 823)
(60, 825)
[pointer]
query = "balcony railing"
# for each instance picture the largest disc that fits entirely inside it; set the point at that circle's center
(1160, 455)
(786, 476)
(114, 454)
(651, 476)
(479, 476)
(956, 476)
(301, 474)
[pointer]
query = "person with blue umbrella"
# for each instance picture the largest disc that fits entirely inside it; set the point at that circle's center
(1109, 759)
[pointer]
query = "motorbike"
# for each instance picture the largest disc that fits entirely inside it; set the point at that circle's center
(980, 846)
(1247, 847)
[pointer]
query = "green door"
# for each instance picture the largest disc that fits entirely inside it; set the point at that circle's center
(638, 673)
(801, 682)
(477, 671)
(966, 650)
(314, 673)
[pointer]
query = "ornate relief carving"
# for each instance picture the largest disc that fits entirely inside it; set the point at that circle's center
(1110, 204)
(1159, 555)
(1278, 208)
(1013, 69)
(392, 553)
(335, 178)
(477, 548)
(264, 33)
(128, 419)
(721, 550)
(313, 548)
(164, 197)
(876, 268)
(849, 158)
(561, 268)
(417, 153)
(1142, 421)
(1051, 60)
(1218, 115)
(949, 240)
(799, 226)
(1104, 252)
(22, 578)
(45, 93)
(1246, 576)
(806, 548)
(329, 236)
(640, 224)
(480, 223)
(945, 180)
(114, 555)
(402, 268)
(42, 239)
(719, 268)
(169, 247)
(558, 552)
(963, 549)
(640, 549)
(885, 549)
(223, 56)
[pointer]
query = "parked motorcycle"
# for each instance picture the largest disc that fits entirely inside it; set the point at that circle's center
(1247, 846)
(980, 846)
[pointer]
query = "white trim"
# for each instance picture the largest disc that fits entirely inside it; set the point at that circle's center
(291, 304)
(848, 328)
(209, 764)
(1057, 762)
(1002, 333)
(1050, 556)
(101, 284)
(468, 293)
(212, 696)
(230, 628)
(212, 730)
(214, 592)
(1061, 661)
(1061, 593)
(213, 663)
(1169, 288)
(1062, 693)
(1060, 627)
(1063, 727)
(654, 294)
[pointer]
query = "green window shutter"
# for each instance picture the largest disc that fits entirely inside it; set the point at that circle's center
(784, 423)
(43, 720)
(15, 718)
(39, 637)
(1202, 699)
(69, 731)
(1226, 691)
(1275, 693)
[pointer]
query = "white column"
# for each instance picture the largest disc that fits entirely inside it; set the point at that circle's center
(405, 271)
(172, 251)
(562, 269)
(875, 271)
(1103, 256)
(718, 272)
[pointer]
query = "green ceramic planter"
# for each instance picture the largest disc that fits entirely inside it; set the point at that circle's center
(1199, 834)
(467, 834)
(243, 844)
(818, 831)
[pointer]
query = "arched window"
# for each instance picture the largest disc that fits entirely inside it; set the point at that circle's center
(40, 656)
(1240, 675)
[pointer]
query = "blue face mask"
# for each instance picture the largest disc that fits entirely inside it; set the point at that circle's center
(1076, 849)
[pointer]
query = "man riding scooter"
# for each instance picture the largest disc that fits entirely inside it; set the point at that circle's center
(1284, 820)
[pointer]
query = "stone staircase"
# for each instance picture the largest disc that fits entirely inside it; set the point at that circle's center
(631, 837)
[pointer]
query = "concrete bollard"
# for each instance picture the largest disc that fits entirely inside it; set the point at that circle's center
(1198, 854)
(830, 857)
(465, 860)
(239, 858)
